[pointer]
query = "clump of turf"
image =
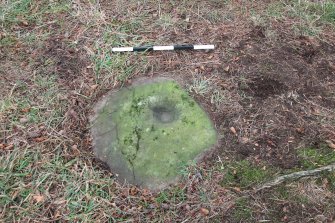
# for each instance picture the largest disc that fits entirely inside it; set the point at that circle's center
(146, 132)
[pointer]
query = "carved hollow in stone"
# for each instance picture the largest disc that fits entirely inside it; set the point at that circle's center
(148, 131)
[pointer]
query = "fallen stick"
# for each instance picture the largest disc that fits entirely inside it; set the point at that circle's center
(296, 175)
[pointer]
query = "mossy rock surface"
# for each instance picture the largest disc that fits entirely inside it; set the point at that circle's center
(146, 132)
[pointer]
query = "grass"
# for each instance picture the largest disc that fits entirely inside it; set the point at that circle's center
(176, 195)
(35, 110)
(105, 63)
(200, 86)
(109, 68)
(21, 11)
(214, 16)
(25, 13)
(314, 12)
(217, 98)
(310, 16)
(244, 174)
(165, 21)
(7, 41)
(330, 180)
(84, 190)
(242, 212)
(54, 176)
(286, 196)
(313, 158)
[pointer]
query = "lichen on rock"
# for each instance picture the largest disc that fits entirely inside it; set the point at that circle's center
(147, 131)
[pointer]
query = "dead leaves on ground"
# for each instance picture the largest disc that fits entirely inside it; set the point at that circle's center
(233, 130)
(40, 139)
(4, 146)
(330, 144)
(204, 211)
(38, 198)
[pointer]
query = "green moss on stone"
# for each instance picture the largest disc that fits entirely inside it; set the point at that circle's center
(155, 128)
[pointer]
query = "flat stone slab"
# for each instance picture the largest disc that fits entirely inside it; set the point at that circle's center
(147, 132)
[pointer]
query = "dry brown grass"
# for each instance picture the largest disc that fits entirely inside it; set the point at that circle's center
(56, 62)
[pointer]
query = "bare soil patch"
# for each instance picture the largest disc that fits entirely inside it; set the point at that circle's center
(263, 87)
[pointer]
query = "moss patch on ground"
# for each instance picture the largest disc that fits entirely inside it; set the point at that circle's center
(312, 158)
(244, 174)
(147, 132)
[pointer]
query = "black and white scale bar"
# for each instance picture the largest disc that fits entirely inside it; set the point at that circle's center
(157, 48)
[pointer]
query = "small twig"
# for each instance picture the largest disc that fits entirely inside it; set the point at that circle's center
(12, 90)
(295, 176)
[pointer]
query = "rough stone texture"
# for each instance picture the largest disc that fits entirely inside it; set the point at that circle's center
(147, 132)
